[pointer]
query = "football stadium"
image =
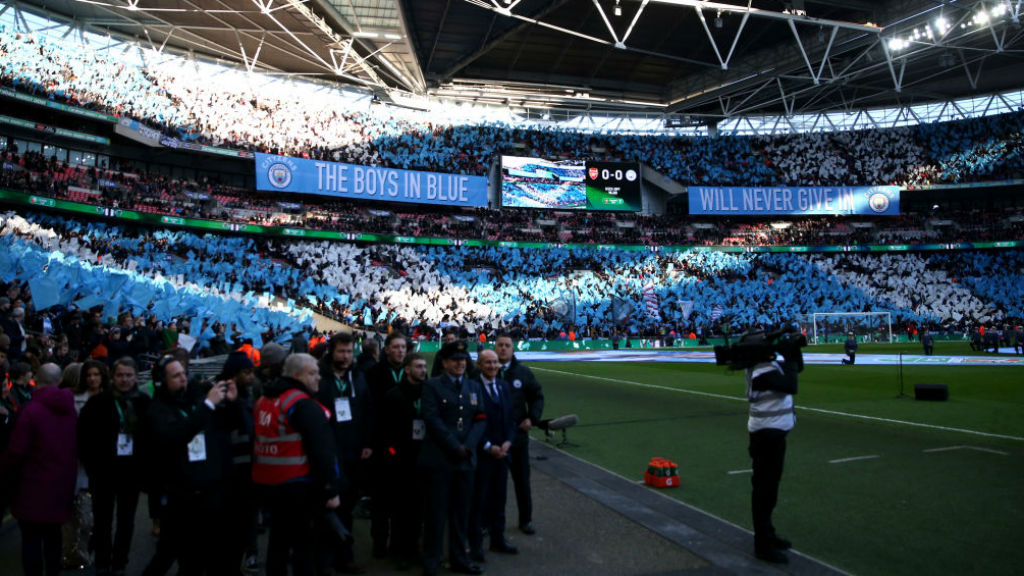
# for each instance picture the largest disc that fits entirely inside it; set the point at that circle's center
(658, 287)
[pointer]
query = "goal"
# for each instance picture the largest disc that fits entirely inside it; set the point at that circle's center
(826, 327)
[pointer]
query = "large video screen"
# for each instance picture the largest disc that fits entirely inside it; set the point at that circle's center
(569, 184)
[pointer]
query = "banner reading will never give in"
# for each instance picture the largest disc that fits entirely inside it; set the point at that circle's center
(299, 175)
(808, 200)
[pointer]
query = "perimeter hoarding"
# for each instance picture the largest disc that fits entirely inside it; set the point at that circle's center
(302, 176)
(799, 201)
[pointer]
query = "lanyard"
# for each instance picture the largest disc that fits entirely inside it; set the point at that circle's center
(416, 404)
(342, 389)
(398, 375)
(120, 413)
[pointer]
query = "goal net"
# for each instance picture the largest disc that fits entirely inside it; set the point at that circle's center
(831, 327)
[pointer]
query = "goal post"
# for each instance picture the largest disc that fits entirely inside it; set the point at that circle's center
(826, 327)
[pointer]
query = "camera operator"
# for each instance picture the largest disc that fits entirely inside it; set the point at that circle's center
(770, 389)
(193, 450)
(771, 384)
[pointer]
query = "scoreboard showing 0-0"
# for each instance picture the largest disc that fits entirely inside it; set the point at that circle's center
(613, 186)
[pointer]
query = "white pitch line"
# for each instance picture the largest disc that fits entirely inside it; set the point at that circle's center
(799, 408)
(946, 449)
(987, 450)
(735, 472)
(853, 459)
(975, 448)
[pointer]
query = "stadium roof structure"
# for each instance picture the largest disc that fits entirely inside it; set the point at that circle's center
(686, 61)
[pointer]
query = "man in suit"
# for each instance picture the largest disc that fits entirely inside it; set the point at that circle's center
(491, 482)
(527, 409)
(455, 424)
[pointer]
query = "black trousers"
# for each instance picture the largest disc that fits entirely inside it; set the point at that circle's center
(108, 499)
(240, 511)
(40, 548)
(490, 490)
(519, 469)
(448, 498)
(768, 452)
(397, 510)
(295, 509)
(191, 530)
(335, 557)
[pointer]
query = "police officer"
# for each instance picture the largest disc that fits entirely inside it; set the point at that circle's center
(294, 456)
(771, 385)
(455, 423)
(527, 409)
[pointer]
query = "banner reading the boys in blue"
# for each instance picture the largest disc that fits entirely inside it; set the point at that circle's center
(299, 175)
(810, 200)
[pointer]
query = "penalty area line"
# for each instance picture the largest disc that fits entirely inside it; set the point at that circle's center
(798, 408)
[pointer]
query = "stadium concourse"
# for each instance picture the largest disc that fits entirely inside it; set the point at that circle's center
(589, 521)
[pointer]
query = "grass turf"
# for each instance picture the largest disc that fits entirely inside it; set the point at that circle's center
(907, 510)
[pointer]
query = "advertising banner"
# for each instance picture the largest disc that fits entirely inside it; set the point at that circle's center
(810, 200)
(302, 176)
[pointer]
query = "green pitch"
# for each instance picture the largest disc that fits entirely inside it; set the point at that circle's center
(874, 483)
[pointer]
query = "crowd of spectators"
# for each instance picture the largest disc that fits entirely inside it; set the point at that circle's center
(223, 106)
(536, 292)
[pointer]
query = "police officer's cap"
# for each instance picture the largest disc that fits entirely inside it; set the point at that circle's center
(454, 351)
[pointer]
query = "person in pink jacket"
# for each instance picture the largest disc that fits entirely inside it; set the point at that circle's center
(42, 459)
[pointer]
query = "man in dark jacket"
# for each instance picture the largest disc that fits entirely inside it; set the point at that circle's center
(109, 446)
(455, 423)
(42, 450)
(239, 497)
(527, 409)
(343, 391)
(381, 378)
(300, 491)
(403, 431)
(193, 459)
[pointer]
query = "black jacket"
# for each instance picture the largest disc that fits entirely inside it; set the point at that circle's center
(401, 406)
(99, 425)
(174, 421)
(454, 417)
(352, 436)
(527, 396)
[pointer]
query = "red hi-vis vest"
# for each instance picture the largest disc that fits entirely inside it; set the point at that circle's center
(278, 453)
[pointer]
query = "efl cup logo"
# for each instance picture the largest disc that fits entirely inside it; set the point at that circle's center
(878, 202)
(593, 173)
(280, 175)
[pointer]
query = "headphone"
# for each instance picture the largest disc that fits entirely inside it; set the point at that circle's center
(161, 367)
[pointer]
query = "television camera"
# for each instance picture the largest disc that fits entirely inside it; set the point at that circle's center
(757, 347)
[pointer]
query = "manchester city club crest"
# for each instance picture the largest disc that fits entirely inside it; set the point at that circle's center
(879, 202)
(280, 175)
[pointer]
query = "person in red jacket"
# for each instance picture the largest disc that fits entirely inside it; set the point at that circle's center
(42, 452)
